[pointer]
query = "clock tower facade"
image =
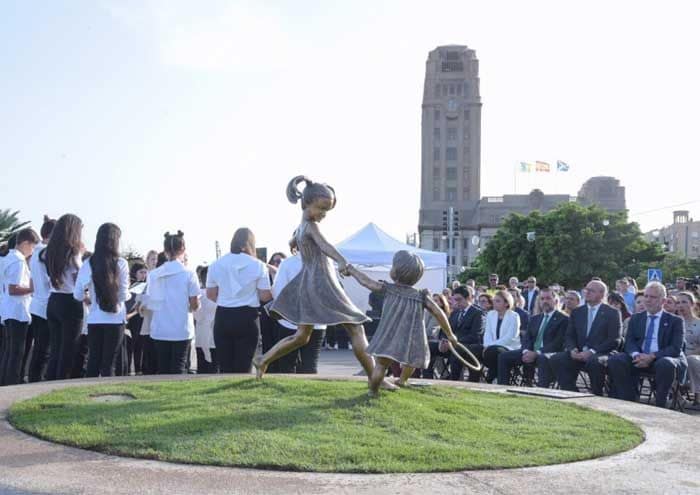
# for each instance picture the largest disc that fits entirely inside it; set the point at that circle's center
(450, 151)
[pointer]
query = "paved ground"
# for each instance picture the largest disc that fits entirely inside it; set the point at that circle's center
(664, 463)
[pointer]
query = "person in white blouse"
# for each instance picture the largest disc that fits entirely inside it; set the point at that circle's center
(502, 332)
(64, 314)
(14, 309)
(238, 282)
(104, 281)
(172, 293)
(39, 327)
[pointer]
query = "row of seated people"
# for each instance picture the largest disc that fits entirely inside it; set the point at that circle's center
(559, 347)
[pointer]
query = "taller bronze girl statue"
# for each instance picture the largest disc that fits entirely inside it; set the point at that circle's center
(314, 296)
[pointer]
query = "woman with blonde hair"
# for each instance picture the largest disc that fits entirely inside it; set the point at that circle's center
(502, 333)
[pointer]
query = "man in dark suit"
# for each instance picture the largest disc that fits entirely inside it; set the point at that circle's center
(530, 294)
(653, 344)
(467, 322)
(594, 331)
(544, 336)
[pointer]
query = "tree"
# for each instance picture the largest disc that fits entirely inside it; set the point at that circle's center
(9, 224)
(672, 267)
(570, 245)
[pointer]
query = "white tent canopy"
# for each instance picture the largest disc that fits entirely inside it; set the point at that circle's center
(371, 250)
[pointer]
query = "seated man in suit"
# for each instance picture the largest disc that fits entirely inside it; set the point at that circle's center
(467, 322)
(594, 331)
(544, 336)
(654, 344)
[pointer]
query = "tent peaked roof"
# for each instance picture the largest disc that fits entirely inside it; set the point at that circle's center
(372, 246)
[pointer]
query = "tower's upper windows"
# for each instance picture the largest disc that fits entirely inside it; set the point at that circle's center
(452, 62)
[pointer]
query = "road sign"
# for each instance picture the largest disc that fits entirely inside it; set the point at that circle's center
(654, 275)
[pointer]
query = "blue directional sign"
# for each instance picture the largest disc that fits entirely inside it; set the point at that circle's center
(654, 275)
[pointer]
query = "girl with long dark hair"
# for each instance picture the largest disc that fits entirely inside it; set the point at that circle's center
(105, 278)
(172, 293)
(64, 314)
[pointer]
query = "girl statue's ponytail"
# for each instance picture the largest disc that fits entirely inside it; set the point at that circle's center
(293, 192)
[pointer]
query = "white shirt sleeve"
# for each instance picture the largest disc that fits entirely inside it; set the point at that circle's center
(124, 294)
(211, 276)
(81, 282)
(193, 285)
(281, 280)
(13, 274)
(264, 280)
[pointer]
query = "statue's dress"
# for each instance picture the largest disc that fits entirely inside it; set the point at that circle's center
(401, 335)
(314, 296)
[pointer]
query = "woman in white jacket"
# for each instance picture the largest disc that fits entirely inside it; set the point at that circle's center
(502, 332)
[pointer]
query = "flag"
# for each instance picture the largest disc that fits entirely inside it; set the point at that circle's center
(526, 167)
(562, 166)
(541, 166)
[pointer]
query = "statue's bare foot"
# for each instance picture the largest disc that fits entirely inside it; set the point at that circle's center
(399, 383)
(387, 385)
(373, 394)
(260, 369)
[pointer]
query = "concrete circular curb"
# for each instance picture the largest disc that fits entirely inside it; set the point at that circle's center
(664, 463)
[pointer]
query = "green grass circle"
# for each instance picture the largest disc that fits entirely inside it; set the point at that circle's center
(324, 426)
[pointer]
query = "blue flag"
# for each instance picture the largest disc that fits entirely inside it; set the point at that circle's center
(562, 166)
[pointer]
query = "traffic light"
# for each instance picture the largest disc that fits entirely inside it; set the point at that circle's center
(445, 223)
(455, 224)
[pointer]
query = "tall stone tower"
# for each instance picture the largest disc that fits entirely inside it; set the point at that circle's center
(451, 149)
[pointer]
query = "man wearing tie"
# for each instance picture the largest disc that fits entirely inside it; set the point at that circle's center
(654, 344)
(544, 336)
(467, 323)
(530, 295)
(594, 331)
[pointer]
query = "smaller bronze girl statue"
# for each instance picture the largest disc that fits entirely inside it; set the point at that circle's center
(401, 335)
(314, 296)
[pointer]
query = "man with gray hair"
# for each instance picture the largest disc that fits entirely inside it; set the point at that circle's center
(653, 344)
(594, 331)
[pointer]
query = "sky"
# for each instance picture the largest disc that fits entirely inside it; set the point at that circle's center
(165, 114)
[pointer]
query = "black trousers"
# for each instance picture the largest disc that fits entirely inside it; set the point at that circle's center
(104, 341)
(491, 354)
(150, 356)
(457, 368)
(27, 354)
(236, 335)
(625, 376)
(567, 370)
(305, 359)
(79, 368)
(511, 359)
(435, 353)
(172, 356)
(40, 354)
(65, 318)
(16, 337)
(309, 354)
(4, 346)
(205, 367)
(138, 342)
